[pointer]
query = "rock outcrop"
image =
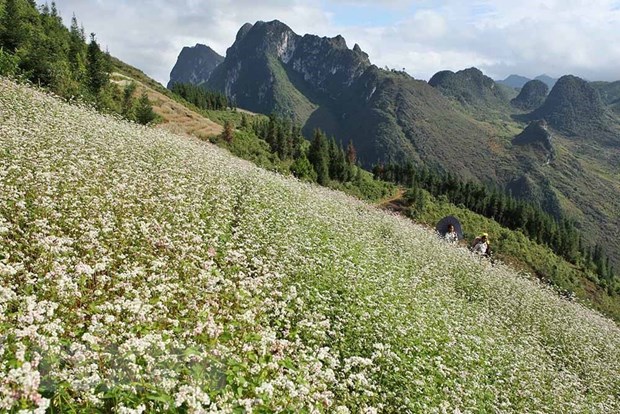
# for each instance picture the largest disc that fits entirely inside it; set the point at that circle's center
(537, 136)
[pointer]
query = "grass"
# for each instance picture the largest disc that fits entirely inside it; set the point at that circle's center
(147, 272)
(514, 248)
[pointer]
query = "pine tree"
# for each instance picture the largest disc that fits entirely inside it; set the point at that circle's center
(351, 153)
(144, 110)
(229, 132)
(127, 105)
(98, 78)
(318, 155)
(297, 141)
(77, 49)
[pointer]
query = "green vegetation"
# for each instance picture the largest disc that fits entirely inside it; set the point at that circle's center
(277, 144)
(144, 272)
(557, 232)
(200, 97)
(35, 46)
(585, 274)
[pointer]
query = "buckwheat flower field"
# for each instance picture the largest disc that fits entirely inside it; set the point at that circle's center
(146, 272)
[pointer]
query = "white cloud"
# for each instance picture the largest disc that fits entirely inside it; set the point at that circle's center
(500, 36)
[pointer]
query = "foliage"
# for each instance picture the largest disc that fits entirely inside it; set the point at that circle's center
(228, 133)
(144, 110)
(9, 64)
(558, 233)
(515, 248)
(303, 169)
(145, 272)
(201, 97)
(318, 155)
(36, 46)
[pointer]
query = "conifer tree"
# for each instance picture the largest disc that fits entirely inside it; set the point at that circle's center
(144, 110)
(77, 49)
(127, 105)
(351, 153)
(318, 155)
(296, 142)
(228, 133)
(98, 78)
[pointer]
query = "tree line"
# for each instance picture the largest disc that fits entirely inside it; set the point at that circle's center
(323, 160)
(200, 97)
(556, 231)
(37, 47)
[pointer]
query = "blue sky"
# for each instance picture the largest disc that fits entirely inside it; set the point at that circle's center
(500, 37)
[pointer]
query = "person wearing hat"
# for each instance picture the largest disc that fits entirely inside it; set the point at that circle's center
(481, 245)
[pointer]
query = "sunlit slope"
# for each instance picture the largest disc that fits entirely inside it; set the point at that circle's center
(143, 270)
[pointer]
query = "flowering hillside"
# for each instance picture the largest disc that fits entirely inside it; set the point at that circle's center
(146, 272)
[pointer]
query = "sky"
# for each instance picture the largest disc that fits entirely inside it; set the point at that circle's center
(500, 37)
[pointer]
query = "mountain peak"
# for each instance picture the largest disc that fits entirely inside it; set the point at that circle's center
(194, 65)
(532, 95)
(243, 31)
(272, 26)
(269, 61)
(469, 86)
(573, 105)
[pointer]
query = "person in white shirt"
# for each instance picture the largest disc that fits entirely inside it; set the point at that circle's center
(451, 235)
(481, 245)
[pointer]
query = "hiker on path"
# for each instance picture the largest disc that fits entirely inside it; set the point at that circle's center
(481, 245)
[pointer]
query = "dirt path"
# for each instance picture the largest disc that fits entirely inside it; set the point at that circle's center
(394, 202)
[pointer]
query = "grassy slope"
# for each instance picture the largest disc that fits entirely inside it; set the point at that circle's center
(568, 186)
(536, 260)
(519, 252)
(142, 269)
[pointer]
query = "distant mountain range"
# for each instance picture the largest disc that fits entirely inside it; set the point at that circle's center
(518, 81)
(461, 122)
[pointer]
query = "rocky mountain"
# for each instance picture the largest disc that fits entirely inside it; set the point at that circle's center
(531, 96)
(470, 87)
(460, 122)
(271, 68)
(195, 65)
(573, 107)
